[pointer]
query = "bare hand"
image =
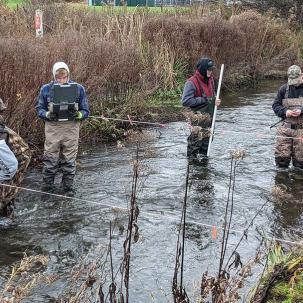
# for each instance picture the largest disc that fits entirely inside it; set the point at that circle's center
(293, 113)
(218, 102)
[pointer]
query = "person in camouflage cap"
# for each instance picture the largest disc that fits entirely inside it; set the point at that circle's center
(8, 188)
(288, 105)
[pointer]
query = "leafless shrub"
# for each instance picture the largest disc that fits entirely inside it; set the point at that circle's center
(123, 59)
(280, 194)
(86, 277)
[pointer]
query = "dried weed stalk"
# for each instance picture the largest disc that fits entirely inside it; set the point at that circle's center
(225, 287)
(24, 277)
(178, 289)
(86, 277)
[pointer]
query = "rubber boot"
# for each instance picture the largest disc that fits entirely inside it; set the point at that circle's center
(67, 186)
(282, 162)
(48, 184)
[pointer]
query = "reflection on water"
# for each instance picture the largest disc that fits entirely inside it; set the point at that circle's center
(67, 229)
(289, 206)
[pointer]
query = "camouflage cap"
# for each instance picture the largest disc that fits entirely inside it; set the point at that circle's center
(2, 105)
(294, 74)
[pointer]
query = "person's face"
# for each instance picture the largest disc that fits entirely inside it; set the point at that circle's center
(300, 80)
(209, 73)
(62, 78)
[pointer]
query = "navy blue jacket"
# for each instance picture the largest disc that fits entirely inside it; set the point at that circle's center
(294, 92)
(45, 97)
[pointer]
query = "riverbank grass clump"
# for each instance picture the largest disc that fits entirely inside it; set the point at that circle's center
(283, 280)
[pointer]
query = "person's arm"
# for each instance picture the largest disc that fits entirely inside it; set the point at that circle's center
(41, 104)
(277, 106)
(83, 103)
(188, 96)
(8, 162)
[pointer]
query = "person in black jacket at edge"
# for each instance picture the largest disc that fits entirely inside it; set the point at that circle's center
(288, 106)
(199, 95)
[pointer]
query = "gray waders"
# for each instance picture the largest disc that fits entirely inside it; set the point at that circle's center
(60, 152)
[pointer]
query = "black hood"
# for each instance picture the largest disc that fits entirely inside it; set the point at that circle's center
(203, 65)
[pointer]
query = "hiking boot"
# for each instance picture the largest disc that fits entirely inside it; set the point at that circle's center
(282, 162)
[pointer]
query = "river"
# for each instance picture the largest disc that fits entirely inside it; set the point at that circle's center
(68, 229)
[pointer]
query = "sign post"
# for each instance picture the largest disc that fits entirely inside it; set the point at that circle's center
(39, 23)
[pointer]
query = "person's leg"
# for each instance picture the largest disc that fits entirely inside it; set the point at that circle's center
(204, 146)
(283, 150)
(297, 159)
(192, 145)
(7, 209)
(51, 154)
(7, 198)
(69, 154)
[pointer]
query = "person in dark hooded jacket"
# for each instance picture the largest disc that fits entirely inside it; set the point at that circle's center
(199, 96)
(288, 105)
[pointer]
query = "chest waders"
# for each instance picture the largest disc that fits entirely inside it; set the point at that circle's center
(289, 145)
(23, 154)
(61, 136)
(201, 120)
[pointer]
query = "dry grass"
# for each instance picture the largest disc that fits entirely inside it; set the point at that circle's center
(124, 59)
(24, 277)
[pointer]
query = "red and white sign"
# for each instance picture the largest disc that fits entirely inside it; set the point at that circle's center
(39, 23)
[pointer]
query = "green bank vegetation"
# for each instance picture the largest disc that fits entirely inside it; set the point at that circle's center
(11, 3)
(282, 281)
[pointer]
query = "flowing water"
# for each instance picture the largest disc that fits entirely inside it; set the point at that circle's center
(68, 229)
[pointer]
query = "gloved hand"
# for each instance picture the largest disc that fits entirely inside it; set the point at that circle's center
(50, 116)
(78, 115)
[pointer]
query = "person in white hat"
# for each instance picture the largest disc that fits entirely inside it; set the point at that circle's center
(62, 104)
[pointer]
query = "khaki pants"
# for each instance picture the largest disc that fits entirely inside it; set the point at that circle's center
(289, 146)
(60, 150)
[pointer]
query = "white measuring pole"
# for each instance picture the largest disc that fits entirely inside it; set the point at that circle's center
(215, 111)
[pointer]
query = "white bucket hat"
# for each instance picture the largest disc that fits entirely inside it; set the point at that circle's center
(59, 65)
